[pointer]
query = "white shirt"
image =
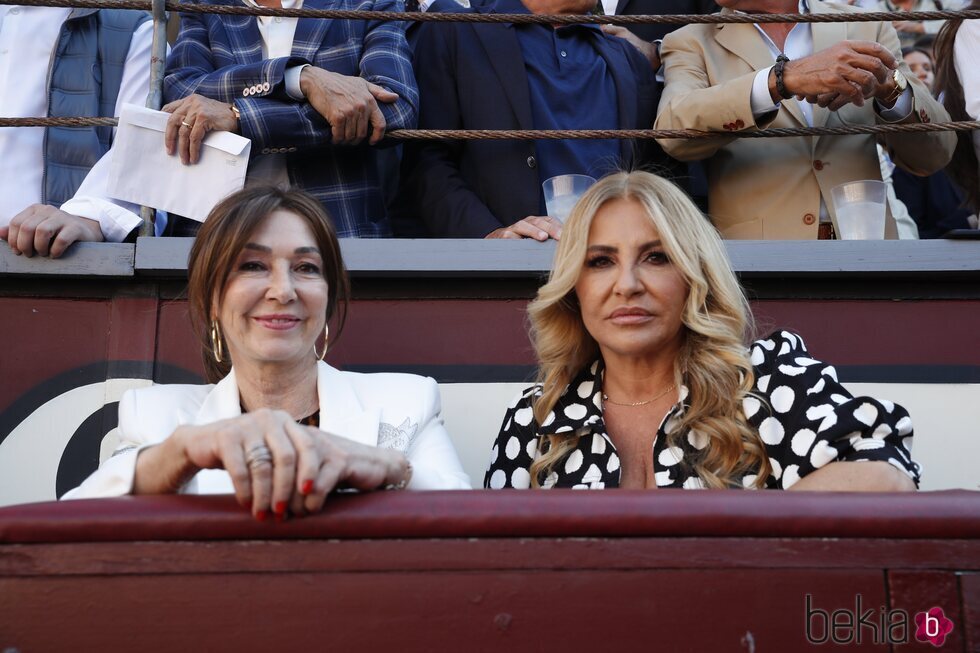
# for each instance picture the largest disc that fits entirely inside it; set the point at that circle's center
(277, 41)
(28, 36)
(966, 49)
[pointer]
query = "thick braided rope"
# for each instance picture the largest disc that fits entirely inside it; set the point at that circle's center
(555, 134)
(674, 19)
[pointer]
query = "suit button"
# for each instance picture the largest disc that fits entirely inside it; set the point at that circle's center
(266, 87)
(809, 219)
(531, 163)
(818, 165)
(245, 92)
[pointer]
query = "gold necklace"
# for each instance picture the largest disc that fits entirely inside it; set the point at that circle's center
(605, 397)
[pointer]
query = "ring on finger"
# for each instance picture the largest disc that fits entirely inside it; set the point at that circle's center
(258, 455)
(187, 124)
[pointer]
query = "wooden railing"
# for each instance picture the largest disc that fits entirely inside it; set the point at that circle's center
(470, 571)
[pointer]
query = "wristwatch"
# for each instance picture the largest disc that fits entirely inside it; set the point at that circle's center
(901, 83)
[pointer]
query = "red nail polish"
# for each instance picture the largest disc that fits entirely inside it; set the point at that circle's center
(281, 508)
(307, 487)
(262, 515)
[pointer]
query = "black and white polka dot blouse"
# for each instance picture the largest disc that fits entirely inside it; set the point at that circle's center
(806, 419)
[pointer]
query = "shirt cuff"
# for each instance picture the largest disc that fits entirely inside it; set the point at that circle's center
(115, 221)
(293, 89)
(901, 110)
(761, 101)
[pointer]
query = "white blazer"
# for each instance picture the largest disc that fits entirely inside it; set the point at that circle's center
(392, 411)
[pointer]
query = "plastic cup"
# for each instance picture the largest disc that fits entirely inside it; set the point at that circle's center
(860, 207)
(561, 193)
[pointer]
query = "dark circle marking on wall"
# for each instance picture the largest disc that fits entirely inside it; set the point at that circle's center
(96, 372)
(81, 455)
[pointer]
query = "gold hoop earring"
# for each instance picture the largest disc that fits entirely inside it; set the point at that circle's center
(326, 339)
(217, 342)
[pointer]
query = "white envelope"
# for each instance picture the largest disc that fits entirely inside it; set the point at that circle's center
(143, 173)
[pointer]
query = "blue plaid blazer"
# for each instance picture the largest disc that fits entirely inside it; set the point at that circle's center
(220, 57)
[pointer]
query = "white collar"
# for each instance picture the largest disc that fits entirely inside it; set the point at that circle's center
(341, 411)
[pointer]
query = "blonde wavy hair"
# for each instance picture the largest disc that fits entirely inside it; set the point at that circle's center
(713, 362)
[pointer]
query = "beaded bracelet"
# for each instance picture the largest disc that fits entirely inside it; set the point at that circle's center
(781, 62)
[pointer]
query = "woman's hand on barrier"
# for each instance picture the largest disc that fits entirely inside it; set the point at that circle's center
(191, 119)
(345, 463)
(275, 464)
(867, 476)
(349, 104)
(847, 72)
(538, 227)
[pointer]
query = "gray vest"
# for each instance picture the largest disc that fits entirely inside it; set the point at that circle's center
(83, 80)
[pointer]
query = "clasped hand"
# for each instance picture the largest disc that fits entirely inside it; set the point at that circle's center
(349, 104)
(275, 464)
(848, 72)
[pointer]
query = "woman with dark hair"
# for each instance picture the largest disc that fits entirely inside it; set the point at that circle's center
(933, 202)
(646, 380)
(280, 428)
(958, 84)
(920, 62)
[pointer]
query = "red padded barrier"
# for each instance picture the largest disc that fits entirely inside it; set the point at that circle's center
(385, 515)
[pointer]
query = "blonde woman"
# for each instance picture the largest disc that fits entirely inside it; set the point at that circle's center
(645, 379)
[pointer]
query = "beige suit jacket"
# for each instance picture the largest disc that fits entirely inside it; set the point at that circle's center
(770, 188)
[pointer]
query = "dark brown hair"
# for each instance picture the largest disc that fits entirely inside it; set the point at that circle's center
(221, 239)
(963, 167)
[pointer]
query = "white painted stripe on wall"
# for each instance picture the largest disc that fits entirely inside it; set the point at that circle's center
(946, 419)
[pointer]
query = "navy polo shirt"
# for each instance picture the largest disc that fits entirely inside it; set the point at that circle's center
(570, 87)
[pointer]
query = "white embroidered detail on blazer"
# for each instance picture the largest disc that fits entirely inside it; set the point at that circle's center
(397, 437)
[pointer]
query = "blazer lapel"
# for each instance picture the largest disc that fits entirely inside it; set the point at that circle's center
(245, 41)
(621, 7)
(341, 412)
(222, 402)
(310, 32)
(745, 42)
(504, 53)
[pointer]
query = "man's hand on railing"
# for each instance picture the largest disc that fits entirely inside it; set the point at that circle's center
(538, 227)
(349, 104)
(46, 231)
